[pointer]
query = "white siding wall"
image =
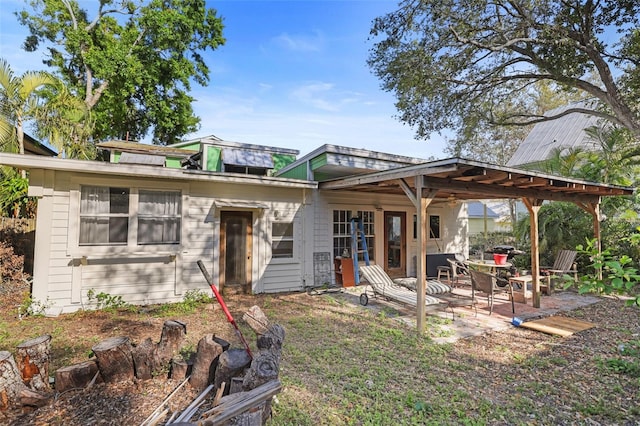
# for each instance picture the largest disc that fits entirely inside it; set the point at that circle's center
(453, 223)
(64, 272)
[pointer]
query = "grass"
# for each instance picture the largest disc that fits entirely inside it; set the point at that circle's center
(343, 364)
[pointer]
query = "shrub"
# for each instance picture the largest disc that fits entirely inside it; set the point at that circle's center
(11, 264)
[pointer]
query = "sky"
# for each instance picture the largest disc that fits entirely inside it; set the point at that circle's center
(291, 74)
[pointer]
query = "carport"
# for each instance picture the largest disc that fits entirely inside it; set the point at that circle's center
(465, 180)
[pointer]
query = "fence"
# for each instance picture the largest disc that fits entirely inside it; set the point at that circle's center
(18, 225)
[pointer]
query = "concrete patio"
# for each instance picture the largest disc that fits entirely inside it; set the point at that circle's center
(467, 324)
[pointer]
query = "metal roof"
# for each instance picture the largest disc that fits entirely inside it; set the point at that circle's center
(564, 132)
(461, 179)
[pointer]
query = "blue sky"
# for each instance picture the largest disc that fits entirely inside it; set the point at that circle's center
(292, 74)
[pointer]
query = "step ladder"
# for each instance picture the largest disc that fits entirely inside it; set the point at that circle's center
(358, 245)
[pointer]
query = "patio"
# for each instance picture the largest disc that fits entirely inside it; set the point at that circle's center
(467, 324)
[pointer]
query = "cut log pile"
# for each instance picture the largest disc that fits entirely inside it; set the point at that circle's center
(244, 383)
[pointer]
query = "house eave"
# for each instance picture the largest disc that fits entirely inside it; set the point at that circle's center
(142, 171)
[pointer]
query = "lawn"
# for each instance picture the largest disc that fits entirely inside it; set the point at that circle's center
(344, 364)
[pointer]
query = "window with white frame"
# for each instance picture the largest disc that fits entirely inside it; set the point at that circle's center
(159, 217)
(106, 214)
(282, 240)
(342, 231)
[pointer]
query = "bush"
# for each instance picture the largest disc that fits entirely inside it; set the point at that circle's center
(11, 264)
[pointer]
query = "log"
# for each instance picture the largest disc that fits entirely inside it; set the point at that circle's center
(10, 381)
(115, 361)
(32, 357)
(230, 364)
(266, 364)
(77, 376)
(171, 339)
(144, 359)
(180, 368)
(33, 398)
(204, 365)
(257, 320)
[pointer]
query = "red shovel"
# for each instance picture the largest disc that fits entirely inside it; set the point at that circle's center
(224, 306)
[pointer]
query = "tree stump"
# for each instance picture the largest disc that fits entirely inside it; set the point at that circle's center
(115, 361)
(230, 364)
(32, 358)
(144, 359)
(76, 376)
(10, 381)
(173, 334)
(204, 365)
(180, 368)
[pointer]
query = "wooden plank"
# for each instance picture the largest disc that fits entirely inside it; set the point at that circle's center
(560, 326)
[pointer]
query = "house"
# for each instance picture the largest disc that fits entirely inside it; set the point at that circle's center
(261, 220)
(481, 218)
(563, 133)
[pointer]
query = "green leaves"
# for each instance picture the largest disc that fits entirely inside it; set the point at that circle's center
(450, 62)
(132, 64)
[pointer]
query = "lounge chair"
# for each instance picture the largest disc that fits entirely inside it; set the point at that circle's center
(382, 285)
(488, 284)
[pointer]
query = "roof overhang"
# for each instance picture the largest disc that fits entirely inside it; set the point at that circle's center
(461, 179)
(31, 162)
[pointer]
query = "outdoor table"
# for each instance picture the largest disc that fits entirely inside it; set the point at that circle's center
(487, 265)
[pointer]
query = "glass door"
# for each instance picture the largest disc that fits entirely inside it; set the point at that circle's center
(395, 243)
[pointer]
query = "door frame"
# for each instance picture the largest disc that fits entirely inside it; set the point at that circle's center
(402, 269)
(248, 256)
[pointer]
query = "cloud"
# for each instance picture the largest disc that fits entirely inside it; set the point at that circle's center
(299, 42)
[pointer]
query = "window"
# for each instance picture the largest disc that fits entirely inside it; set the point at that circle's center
(281, 240)
(342, 231)
(104, 215)
(159, 217)
(434, 227)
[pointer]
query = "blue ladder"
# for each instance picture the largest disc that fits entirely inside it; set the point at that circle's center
(358, 245)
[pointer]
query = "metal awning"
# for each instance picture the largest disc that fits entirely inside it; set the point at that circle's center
(247, 158)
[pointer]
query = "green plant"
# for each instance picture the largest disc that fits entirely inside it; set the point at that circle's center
(32, 307)
(607, 274)
(105, 301)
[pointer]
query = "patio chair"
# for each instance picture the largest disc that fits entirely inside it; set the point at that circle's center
(459, 273)
(564, 264)
(488, 284)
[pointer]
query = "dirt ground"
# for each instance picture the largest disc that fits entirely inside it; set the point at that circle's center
(131, 403)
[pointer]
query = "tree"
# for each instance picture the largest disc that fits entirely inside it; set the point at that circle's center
(450, 63)
(19, 103)
(131, 64)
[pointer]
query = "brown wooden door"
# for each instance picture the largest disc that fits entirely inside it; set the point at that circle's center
(235, 251)
(395, 243)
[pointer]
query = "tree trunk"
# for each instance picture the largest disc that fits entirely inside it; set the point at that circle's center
(173, 334)
(33, 398)
(205, 363)
(230, 364)
(144, 359)
(76, 376)
(114, 359)
(32, 357)
(10, 381)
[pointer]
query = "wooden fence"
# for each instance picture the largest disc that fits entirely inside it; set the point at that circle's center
(17, 225)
